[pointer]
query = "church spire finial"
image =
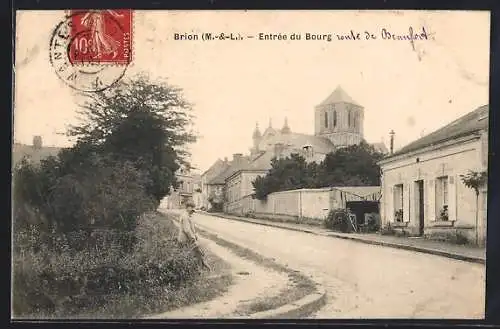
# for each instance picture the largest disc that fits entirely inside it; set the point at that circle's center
(256, 132)
(286, 128)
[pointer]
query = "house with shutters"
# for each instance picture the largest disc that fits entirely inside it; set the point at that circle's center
(422, 191)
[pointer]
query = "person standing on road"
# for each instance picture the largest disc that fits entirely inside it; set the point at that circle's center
(187, 234)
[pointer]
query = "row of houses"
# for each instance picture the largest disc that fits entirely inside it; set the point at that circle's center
(421, 192)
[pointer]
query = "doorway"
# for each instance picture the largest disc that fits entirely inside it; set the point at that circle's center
(360, 208)
(419, 187)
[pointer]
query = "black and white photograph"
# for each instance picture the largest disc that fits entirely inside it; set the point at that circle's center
(249, 164)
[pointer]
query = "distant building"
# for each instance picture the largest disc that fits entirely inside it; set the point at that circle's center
(189, 189)
(34, 152)
(338, 123)
(208, 190)
(422, 192)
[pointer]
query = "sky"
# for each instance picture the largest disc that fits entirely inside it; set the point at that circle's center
(235, 84)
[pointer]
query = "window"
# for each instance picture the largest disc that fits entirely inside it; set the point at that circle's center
(355, 123)
(442, 198)
(349, 118)
(398, 202)
(334, 118)
(326, 119)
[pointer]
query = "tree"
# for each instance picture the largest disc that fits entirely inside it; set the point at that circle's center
(355, 165)
(143, 122)
(289, 173)
(475, 180)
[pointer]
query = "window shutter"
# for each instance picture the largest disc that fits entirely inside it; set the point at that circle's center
(431, 200)
(452, 198)
(390, 205)
(406, 203)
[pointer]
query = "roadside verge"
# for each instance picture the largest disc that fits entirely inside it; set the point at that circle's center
(296, 296)
(309, 295)
(368, 240)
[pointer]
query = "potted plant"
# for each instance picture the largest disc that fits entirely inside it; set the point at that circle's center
(443, 214)
(398, 215)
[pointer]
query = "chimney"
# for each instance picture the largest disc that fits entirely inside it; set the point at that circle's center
(37, 142)
(225, 159)
(237, 157)
(392, 133)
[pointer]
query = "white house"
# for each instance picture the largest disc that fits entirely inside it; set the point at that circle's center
(422, 191)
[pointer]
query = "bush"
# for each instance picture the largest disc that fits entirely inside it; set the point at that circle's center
(249, 214)
(338, 220)
(58, 281)
(216, 207)
(97, 192)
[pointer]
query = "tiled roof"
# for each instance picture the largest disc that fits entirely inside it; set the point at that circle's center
(220, 178)
(380, 147)
(338, 96)
(21, 150)
(216, 169)
(217, 163)
(232, 168)
(471, 122)
(262, 162)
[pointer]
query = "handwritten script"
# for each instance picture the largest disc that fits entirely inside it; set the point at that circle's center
(351, 35)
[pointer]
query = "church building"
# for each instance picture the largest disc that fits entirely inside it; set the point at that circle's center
(338, 123)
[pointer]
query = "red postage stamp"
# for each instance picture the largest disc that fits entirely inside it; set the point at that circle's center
(101, 36)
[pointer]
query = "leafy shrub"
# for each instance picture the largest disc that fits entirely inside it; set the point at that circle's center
(58, 281)
(249, 214)
(338, 220)
(95, 193)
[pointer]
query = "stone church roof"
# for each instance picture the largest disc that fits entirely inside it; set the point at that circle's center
(270, 131)
(297, 140)
(339, 96)
(471, 122)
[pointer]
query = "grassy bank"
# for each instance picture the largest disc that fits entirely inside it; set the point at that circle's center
(54, 280)
(299, 284)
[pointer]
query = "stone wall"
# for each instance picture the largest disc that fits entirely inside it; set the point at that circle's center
(303, 203)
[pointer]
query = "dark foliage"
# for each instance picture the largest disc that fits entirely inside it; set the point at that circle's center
(337, 220)
(148, 124)
(52, 279)
(352, 166)
(79, 229)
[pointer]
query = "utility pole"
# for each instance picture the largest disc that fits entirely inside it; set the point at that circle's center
(392, 133)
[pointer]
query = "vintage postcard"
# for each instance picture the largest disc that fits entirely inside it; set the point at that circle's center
(250, 164)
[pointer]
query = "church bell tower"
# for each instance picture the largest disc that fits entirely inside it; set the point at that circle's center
(340, 119)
